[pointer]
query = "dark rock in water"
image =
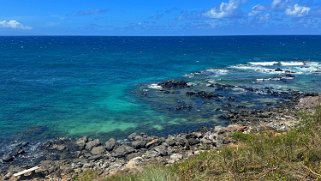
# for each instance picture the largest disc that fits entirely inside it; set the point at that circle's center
(7, 158)
(311, 94)
(183, 107)
(98, 150)
(139, 144)
(174, 84)
(201, 94)
(122, 151)
(289, 75)
(92, 144)
(110, 144)
(278, 69)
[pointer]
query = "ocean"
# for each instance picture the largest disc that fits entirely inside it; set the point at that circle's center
(59, 86)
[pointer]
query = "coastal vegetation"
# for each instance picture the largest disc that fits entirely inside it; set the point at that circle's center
(263, 155)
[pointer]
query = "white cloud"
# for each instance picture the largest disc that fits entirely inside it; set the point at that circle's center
(226, 9)
(13, 24)
(275, 3)
(280, 4)
(256, 10)
(297, 11)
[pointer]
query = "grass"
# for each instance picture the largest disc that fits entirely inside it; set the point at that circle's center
(267, 155)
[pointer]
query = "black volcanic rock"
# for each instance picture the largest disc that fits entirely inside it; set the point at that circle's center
(170, 84)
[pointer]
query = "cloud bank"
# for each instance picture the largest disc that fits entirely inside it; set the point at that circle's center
(297, 11)
(226, 9)
(13, 24)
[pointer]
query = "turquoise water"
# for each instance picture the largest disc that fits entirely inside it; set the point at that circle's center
(74, 86)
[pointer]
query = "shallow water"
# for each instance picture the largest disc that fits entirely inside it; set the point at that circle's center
(74, 86)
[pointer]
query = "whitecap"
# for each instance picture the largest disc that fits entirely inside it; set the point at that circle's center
(263, 63)
(258, 69)
(218, 71)
(191, 84)
(154, 86)
(292, 63)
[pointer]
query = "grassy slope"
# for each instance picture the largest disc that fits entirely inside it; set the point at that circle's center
(295, 155)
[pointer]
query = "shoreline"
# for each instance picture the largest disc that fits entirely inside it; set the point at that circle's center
(66, 158)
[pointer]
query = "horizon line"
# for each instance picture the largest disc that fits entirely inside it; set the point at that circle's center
(159, 35)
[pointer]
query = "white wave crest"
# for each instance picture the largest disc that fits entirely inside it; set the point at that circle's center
(292, 63)
(154, 86)
(263, 63)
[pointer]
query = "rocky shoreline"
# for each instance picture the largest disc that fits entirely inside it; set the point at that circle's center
(66, 158)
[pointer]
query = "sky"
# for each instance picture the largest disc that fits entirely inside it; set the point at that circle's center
(160, 17)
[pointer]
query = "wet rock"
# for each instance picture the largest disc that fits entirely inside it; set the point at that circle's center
(58, 147)
(110, 144)
(98, 150)
(183, 107)
(91, 144)
(123, 150)
(312, 94)
(174, 84)
(202, 94)
(7, 158)
(139, 144)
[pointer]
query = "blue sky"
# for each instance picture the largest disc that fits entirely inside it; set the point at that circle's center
(159, 17)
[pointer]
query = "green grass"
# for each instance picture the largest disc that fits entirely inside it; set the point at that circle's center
(267, 155)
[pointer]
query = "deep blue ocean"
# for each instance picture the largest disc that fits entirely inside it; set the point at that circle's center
(75, 86)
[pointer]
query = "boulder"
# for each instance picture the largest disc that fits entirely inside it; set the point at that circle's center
(151, 154)
(175, 157)
(181, 141)
(193, 141)
(162, 150)
(7, 158)
(58, 147)
(91, 144)
(98, 150)
(220, 129)
(170, 141)
(132, 136)
(139, 144)
(122, 151)
(133, 163)
(110, 144)
(81, 142)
